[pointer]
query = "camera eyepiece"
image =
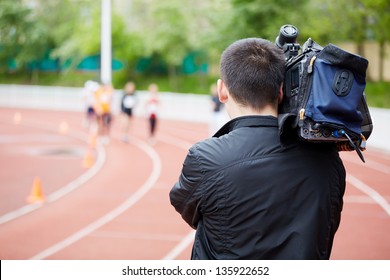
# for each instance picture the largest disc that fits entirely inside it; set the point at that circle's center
(288, 34)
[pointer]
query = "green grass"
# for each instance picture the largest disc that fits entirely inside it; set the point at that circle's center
(378, 94)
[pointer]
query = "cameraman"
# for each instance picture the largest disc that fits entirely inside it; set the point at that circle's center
(248, 196)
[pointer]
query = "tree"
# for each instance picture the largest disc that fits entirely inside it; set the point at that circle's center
(262, 18)
(82, 36)
(23, 39)
(78, 32)
(30, 32)
(353, 20)
(379, 22)
(170, 29)
(165, 31)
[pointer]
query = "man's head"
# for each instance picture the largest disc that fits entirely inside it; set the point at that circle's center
(252, 71)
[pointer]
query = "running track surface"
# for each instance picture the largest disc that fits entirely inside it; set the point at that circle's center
(119, 208)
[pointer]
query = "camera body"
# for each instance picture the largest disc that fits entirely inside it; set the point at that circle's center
(287, 41)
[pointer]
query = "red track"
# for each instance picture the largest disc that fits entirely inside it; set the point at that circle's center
(119, 208)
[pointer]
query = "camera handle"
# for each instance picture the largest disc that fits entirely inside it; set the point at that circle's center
(291, 50)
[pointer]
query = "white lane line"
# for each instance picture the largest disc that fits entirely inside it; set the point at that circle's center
(139, 236)
(378, 166)
(369, 164)
(79, 181)
(189, 238)
(18, 212)
(101, 158)
(179, 248)
(359, 199)
(379, 199)
(137, 196)
(175, 141)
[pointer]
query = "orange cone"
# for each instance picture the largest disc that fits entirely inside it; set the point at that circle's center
(17, 118)
(88, 159)
(36, 192)
(63, 128)
(92, 141)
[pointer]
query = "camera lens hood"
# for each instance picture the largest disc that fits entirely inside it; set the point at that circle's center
(288, 34)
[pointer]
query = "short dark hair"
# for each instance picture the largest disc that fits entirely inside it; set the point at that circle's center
(253, 70)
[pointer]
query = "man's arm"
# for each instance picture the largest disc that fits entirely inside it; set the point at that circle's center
(186, 194)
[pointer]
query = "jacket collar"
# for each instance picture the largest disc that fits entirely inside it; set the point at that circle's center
(247, 121)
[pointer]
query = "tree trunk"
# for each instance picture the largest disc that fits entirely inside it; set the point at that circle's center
(173, 78)
(381, 60)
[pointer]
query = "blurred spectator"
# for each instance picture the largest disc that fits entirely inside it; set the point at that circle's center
(218, 116)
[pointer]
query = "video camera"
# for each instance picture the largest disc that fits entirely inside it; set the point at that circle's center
(323, 93)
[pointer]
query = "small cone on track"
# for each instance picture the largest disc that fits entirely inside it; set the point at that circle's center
(88, 160)
(17, 118)
(36, 195)
(92, 140)
(63, 128)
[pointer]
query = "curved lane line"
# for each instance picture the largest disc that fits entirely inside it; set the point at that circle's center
(101, 158)
(179, 248)
(372, 164)
(137, 196)
(379, 199)
(189, 238)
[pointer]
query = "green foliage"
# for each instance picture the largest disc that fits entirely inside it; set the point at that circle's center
(69, 30)
(79, 35)
(380, 19)
(262, 18)
(22, 38)
(69, 79)
(164, 37)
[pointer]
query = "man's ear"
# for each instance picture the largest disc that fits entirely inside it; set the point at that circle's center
(280, 96)
(222, 91)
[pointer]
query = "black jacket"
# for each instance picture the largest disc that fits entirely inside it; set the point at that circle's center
(248, 197)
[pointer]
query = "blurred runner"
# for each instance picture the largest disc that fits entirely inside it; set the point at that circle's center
(103, 99)
(152, 106)
(88, 97)
(128, 103)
